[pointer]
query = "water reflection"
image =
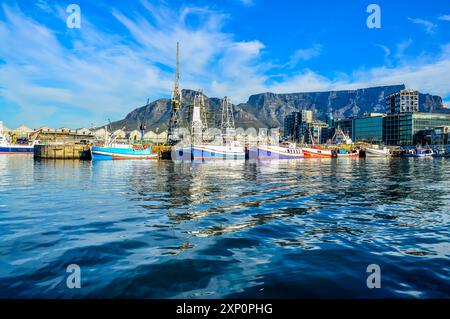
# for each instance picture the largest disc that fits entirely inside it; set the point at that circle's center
(221, 229)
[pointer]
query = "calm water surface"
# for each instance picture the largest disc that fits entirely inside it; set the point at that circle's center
(154, 229)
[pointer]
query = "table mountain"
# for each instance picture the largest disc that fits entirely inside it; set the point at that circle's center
(269, 109)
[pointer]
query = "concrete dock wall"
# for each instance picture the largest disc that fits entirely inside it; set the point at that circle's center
(62, 151)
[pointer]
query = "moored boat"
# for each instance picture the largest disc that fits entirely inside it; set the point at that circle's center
(282, 151)
(9, 148)
(344, 153)
(122, 152)
(440, 152)
(373, 152)
(419, 152)
(316, 152)
(206, 151)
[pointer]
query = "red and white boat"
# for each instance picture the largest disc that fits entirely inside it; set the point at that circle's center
(348, 154)
(317, 152)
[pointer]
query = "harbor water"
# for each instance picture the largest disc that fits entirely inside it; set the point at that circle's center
(291, 229)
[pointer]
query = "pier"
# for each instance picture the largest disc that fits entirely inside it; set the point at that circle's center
(62, 151)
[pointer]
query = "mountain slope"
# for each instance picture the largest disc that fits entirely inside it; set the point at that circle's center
(270, 109)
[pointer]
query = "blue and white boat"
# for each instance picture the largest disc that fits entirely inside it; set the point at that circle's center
(283, 151)
(419, 152)
(122, 152)
(229, 151)
(9, 148)
(225, 146)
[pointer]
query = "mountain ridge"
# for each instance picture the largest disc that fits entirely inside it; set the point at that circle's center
(269, 109)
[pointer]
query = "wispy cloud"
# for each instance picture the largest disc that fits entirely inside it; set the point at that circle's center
(305, 54)
(445, 17)
(247, 3)
(429, 26)
(91, 72)
(401, 47)
(75, 77)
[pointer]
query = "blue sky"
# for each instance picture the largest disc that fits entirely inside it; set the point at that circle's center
(124, 52)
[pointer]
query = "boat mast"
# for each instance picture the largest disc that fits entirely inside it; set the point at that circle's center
(143, 125)
(227, 124)
(175, 105)
(197, 123)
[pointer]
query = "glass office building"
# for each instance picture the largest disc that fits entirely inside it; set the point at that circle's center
(404, 128)
(368, 129)
(347, 126)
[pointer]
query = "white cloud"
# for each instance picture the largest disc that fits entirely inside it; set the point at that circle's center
(305, 54)
(103, 75)
(428, 25)
(87, 75)
(445, 17)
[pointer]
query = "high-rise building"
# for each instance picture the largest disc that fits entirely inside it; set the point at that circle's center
(329, 119)
(314, 132)
(307, 116)
(402, 101)
(292, 122)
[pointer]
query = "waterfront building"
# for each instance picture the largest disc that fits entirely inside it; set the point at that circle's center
(347, 126)
(402, 102)
(405, 128)
(119, 134)
(101, 133)
(155, 137)
(368, 128)
(329, 119)
(22, 131)
(84, 131)
(306, 116)
(314, 132)
(440, 135)
(135, 135)
(292, 122)
(45, 134)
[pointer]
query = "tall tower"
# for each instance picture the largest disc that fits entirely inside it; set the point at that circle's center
(227, 124)
(175, 106)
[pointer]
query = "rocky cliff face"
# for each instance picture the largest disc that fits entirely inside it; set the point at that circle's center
(270, 109)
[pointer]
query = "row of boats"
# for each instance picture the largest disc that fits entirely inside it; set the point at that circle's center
(233, 150)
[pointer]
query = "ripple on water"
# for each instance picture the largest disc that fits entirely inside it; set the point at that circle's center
(150, 229)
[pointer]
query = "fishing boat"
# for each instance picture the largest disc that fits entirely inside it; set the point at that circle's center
(225, 146)
(374, 152)
(230, 150)
(419, 152)
(122, 152)
(285, 150)
(316, 152)
(6, 147)
(111, 150)
(348, 154)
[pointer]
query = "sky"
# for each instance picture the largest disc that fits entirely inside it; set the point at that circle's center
(124, 52)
